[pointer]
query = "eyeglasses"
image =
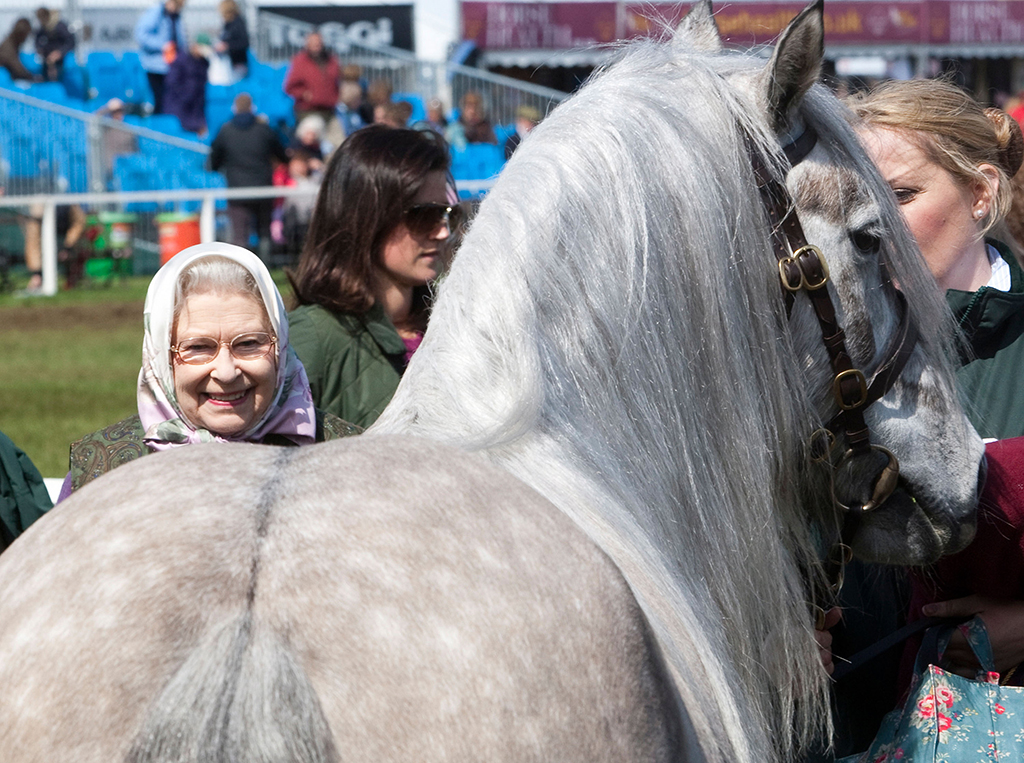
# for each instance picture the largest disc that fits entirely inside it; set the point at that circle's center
(199, 350)
(424, 219)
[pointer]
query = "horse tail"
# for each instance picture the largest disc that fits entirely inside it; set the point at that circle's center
(240, 696)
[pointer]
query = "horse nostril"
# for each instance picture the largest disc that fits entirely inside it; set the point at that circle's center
(982, 474)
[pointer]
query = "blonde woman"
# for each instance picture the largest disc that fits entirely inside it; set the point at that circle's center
(949, 161)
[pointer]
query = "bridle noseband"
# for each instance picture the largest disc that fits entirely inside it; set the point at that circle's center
(803, 268)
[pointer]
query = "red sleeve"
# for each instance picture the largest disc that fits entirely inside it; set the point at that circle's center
(293, 81)
(993, 564)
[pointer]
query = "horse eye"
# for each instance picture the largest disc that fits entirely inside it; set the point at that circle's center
(866, 243)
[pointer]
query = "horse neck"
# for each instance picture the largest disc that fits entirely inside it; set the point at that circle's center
(593, 355)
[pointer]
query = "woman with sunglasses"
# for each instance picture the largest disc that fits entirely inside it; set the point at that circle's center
(378, 237)
(216, 367)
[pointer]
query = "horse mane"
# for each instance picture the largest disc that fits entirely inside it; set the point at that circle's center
(613, 333)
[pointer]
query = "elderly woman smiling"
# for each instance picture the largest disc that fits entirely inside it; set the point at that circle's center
(216, 366)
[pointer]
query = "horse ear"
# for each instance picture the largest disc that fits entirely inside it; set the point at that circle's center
(698, 29)
(795, 64)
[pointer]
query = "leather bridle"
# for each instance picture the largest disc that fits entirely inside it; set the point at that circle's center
(803, 269)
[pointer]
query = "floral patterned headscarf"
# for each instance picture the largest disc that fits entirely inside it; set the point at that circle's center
(291, 413)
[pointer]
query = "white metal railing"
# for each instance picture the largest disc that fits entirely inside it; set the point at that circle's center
(207, 212)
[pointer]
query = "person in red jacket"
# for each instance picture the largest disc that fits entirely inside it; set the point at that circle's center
(313, 83)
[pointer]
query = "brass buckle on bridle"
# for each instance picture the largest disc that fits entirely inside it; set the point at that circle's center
(862, 389)
(787, 274)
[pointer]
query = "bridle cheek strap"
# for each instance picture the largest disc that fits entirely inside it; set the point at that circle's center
(803, 268)
(862, 394)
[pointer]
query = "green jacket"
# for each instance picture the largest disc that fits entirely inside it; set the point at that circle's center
(354, 363)
(23, 496)
(990, 383)
(97, 453)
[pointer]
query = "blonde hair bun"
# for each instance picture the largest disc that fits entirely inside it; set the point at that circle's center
(1010, 138)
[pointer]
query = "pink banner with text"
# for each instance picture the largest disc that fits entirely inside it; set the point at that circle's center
(513, 25)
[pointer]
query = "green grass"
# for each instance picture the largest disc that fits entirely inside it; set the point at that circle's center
(69, 365)
(57, 388)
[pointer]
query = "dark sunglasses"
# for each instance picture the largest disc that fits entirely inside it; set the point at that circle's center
(424, 219)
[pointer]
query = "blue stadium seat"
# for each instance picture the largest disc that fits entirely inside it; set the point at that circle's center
(31, 62)
(269, 78)
(168, 124)
(136, 172)
(135, 82)
(51, 92)
(70, 154)
(75, 80)
(478, 161)
(23, 156)
(105, 78)
(279, 110)
(219, 100)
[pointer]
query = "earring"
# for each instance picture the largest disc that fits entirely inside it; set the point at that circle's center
(979, 213)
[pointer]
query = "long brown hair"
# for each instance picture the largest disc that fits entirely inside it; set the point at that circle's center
(369, 183)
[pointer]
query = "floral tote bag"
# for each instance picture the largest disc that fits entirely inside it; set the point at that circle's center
(950, 719)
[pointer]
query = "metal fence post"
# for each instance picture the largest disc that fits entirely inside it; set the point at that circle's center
(48, 244)
(208, 219)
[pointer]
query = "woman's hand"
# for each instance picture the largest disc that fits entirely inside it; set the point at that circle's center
(1004, 620)
(824, 638)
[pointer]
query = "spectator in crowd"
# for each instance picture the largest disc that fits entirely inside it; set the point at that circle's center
(378, 93)
(312, 82)
(31, 223)
(10, 50)
(350, 102)
(472, 126)
(234, 39)
(23, 495)
(216, 367)
(377, 239)
(160, 35)
(293, 213)
(116, 141)
(436, 119)
(185, 89)
(352, 73)
(54, 41)
(393, 114)
(309, 136)
(245, 150)
(527, 118)
(71, 228)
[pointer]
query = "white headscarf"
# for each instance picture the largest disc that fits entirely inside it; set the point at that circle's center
(291, 413)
